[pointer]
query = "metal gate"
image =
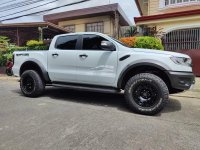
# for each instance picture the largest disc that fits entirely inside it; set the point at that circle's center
(185, 41)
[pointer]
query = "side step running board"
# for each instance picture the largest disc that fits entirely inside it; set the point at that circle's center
(87, 88)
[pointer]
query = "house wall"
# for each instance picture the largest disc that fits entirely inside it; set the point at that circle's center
(175, 25)
(144, 8)
(155, 8)
(170, 24)
(80, 24)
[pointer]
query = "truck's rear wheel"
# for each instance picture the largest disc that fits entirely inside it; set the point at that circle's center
(146, 93)
(31, 84)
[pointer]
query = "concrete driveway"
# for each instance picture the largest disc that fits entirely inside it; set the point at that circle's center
(66, 119)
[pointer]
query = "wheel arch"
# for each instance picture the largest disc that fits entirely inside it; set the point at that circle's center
(33, 64)
(146, 67)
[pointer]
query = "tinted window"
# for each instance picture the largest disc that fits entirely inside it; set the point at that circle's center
(92, 42)
(67, 42)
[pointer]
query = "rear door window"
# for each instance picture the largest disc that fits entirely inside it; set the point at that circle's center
(67, 42)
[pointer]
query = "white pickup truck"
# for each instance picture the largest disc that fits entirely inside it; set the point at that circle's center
(97, 62)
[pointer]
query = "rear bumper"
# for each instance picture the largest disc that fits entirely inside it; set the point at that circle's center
(15, 71)
(181, 80)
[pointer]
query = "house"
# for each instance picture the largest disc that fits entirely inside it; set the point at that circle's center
(34, 19)
(106, 19)
(20, 33)
(177, 20)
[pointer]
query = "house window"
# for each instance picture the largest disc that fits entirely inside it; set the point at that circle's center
(95, 27)
(174, 2)
(70, 28)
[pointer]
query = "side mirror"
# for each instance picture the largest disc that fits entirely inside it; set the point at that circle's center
(107, 45)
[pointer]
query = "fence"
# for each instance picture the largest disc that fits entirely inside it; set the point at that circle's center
(184, 39)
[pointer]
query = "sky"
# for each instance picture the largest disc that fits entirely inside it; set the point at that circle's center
(17, 8)
(129, 8)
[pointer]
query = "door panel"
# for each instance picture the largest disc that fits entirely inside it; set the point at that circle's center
(98, 68)
(95, 65)
(62, 60)
(62, 68)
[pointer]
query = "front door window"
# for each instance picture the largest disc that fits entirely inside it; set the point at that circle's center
(92, 42)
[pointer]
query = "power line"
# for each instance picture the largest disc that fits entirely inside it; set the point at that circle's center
(17, 5)
(27, 9)
(8, 2)
(82, 1)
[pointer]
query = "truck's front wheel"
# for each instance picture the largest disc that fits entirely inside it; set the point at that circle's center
(31, 84)
(146, 93)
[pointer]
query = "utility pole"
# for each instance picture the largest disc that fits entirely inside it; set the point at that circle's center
(116, 25)
(41, 33)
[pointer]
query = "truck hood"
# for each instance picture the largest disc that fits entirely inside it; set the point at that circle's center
(160, 52)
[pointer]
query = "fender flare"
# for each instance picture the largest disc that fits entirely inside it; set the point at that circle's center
(131, 66)
(44, 72)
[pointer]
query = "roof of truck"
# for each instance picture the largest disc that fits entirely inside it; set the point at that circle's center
(81, 33)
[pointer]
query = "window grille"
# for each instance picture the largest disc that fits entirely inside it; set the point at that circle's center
(70, 28)
(184, 39)
(95, 27)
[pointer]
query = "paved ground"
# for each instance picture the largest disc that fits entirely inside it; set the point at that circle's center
(66, 119)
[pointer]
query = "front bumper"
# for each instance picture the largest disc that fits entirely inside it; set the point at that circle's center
(181, 80)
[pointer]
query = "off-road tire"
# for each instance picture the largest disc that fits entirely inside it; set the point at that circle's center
(31, 84)
(148, 80)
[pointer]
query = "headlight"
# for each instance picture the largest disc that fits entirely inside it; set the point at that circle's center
(182, 61)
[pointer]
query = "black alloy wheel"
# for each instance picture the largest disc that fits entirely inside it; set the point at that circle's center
(146, 93)
(31, 84)
(28, 84)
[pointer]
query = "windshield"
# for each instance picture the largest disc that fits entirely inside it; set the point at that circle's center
(120, 42)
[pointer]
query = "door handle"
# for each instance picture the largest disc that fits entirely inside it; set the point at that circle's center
(83, 55)
(55, 54)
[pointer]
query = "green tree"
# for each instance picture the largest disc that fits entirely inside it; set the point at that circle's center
(132, 31)
(4, 43)
(149, 43)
